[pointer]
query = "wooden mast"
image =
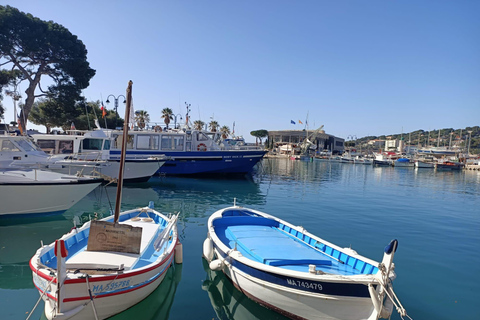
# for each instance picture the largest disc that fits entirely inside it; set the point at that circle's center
(124, 151)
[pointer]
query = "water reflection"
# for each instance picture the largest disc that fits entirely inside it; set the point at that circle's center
(229, 303)
(15, 276)
(158, 304)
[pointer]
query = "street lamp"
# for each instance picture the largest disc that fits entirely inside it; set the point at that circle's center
(187, 105)
(175, 119)
(116, 105)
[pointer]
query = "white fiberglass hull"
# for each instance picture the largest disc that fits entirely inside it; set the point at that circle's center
(135, 170)
(42, 196)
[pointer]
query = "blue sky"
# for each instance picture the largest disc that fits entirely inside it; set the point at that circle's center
(357, 67)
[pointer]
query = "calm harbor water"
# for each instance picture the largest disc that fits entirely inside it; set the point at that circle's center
(434, 215)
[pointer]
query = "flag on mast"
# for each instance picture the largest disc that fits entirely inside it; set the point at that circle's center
(292, 122)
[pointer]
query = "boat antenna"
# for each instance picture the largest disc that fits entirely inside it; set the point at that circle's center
(122, 156)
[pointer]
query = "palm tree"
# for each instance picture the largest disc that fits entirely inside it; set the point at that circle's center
(198, 125)
(141, 118)
(225, 130)
(167, 115)
(213, 125)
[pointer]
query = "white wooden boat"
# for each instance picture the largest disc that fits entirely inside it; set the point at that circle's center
(77, 283)
(107, 266)
(295, 273)
(41, 192)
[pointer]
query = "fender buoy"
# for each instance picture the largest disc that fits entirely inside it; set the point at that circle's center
(216, 265)
(202, 147)
(179, 253)
(208, 249)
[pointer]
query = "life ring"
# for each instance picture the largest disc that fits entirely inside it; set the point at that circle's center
(202, 147)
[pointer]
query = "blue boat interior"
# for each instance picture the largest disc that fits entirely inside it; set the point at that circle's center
(78, 242)
(272, 243)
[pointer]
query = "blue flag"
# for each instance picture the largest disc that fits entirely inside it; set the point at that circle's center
(292, 122)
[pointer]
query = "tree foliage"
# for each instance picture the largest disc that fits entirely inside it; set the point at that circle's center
(7, 78)
(198, 125)
(49, 113)
(43, 48)
(213, 125)
(167, 115)
(225, 131)
(259, 134)
(142, 118)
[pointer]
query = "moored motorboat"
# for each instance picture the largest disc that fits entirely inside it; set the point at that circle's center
(403, 163)
(424, 164)
(382, 160)
(449, 165)
(89, 153)
(295, 273)
(41, 192)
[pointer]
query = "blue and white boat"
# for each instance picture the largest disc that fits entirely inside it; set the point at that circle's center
(189, 152)
(295, 273)
(403, 162)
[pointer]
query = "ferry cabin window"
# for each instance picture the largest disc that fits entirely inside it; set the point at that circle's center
(172, 142)
(7, 145)
(92, 144)
(202, 137)
(147, 142)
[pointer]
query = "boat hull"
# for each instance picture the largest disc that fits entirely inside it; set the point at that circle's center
(289, 270)
(99, 284)
(135, 170)
(423, 164)
(107, 305)
(298, 304)
(209, 162)
(45, 197)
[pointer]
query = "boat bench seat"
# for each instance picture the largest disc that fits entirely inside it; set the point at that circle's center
(271, 246)
(113, 260)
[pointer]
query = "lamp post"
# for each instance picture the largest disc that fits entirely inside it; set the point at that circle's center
(187, 105)
(175, 119)
(115, 99)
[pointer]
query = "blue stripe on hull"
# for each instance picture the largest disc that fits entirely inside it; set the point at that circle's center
(209, 162)
(326, 288)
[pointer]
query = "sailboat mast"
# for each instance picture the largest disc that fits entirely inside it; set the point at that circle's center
(124, 151)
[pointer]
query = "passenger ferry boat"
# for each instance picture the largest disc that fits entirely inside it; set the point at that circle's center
(189, 152)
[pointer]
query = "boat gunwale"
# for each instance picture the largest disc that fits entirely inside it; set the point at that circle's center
(367, 278)
(40, 268)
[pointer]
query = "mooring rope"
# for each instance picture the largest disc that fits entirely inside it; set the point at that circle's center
(41, 296)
